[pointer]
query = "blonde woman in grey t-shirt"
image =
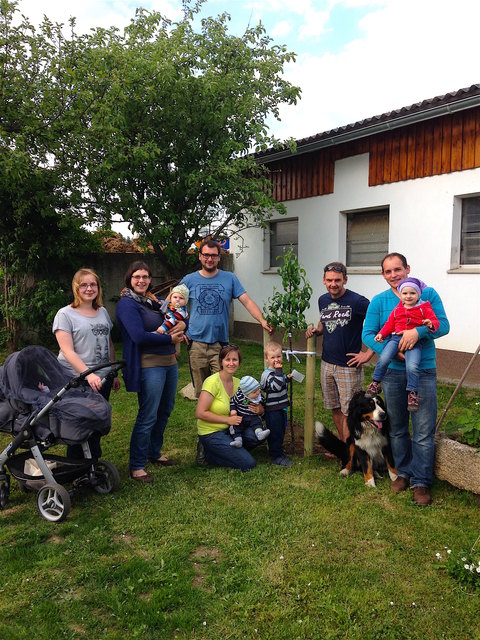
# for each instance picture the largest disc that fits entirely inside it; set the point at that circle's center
(82, 330)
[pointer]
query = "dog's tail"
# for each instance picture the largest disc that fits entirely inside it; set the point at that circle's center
(331, 443)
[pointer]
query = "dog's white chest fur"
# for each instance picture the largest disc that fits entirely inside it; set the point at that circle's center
(372, 440)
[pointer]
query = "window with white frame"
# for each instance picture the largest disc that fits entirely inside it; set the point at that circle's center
(282, 235)
(367, 236)
(470, 231)
(466, 232)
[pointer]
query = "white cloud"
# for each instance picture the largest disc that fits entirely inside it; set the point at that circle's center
(315, 24)
(409, 51)
(281, 29)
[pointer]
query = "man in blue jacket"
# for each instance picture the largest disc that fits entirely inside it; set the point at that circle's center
(414, 456)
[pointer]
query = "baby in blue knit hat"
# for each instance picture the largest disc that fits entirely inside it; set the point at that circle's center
(248, 393)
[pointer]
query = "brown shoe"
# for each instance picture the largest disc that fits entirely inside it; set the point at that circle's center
(400, 484)
(146, 478)
(164, 462)
(422, 496)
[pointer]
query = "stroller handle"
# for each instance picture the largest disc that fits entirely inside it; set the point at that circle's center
(115, 366)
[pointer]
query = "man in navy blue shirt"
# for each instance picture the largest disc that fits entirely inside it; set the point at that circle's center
(342, 313)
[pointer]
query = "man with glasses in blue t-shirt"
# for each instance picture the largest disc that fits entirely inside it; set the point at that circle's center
(211, 293)
(342, 313)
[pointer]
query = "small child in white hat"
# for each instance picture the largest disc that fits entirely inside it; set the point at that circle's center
(248, 393)
(177, 308)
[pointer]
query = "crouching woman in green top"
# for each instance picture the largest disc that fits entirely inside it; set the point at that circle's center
(214, 419)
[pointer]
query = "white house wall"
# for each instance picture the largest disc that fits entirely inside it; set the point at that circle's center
(420, 226)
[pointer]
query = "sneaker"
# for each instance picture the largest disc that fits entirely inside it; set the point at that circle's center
(412, 401)
(262, 434)
(373, 389)
(282, 461)
(422, 496)
(400, 484)
(201, 458)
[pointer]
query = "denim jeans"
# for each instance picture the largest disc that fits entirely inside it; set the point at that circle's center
(156, 399)
(219, 452)
(413, 455)
(276, 421)
(412, 362)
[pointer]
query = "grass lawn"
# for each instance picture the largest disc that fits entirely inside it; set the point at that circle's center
(277, 553)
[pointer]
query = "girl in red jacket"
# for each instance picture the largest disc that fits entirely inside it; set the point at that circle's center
(411, 312)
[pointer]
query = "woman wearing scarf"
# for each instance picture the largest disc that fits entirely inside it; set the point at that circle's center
(151, 368)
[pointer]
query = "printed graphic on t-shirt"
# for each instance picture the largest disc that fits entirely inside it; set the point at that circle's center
(209, 298)
(102, 350)
(335, 316)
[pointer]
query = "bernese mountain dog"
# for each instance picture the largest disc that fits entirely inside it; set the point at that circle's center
(368, 445)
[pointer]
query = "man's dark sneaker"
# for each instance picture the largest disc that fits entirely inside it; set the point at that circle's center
(422, 496)
(373, 389)
(400, 484)
(412, 401)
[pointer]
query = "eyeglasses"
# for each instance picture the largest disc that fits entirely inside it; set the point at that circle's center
(210, 256)
(334, 267)
(90, 285)
(141, 277)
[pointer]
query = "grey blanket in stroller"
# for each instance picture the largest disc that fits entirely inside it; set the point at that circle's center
(31, 378)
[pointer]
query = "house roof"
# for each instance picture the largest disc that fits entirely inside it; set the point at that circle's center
(418, 112)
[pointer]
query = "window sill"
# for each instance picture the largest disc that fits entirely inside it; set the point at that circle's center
(270, 271)
(363, 270)
(467, 268)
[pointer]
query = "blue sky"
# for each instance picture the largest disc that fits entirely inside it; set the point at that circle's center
(355, 58)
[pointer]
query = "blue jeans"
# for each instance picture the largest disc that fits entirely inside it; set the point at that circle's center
(414, 456)
(412, 362)
(219, 452)
(156, 398)
(276, 421)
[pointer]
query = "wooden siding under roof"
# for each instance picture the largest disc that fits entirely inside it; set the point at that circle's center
(432, 147)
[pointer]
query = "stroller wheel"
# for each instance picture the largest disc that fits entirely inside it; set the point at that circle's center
(107, 478)
(4, 491)
(53, 502)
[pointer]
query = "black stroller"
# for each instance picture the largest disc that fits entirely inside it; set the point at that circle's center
(40, 406)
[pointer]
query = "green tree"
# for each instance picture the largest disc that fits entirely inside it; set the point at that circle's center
(157, 125)
(40, 231)
(170, 147)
